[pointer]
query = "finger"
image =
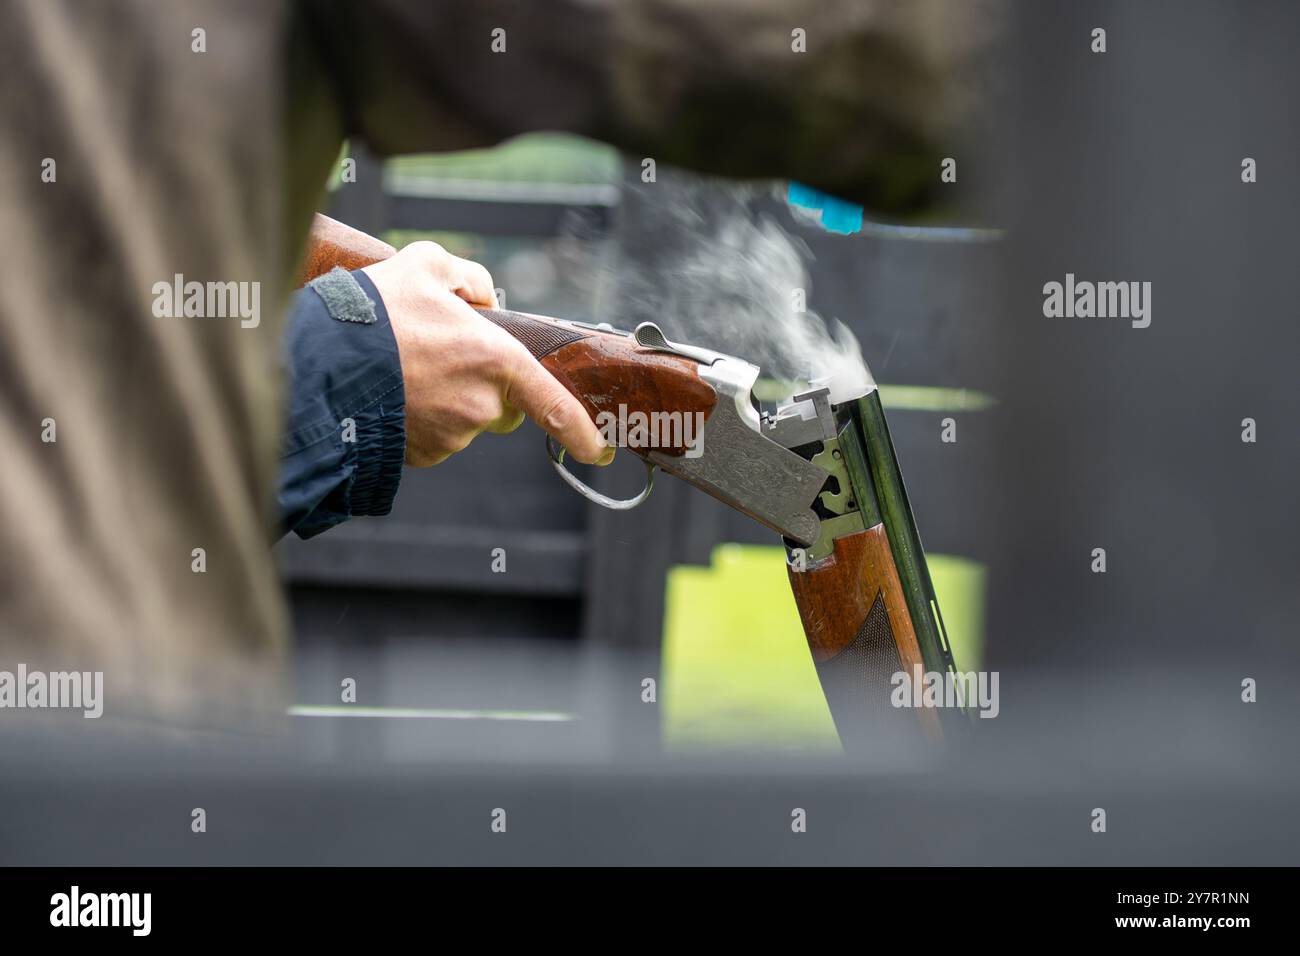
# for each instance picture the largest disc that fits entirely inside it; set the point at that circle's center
(547, 402)
(509, 420)
(473, 283)
(466, 279)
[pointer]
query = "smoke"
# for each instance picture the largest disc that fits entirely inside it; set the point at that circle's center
(704, 260)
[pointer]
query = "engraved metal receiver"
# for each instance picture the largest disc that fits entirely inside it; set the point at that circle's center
(734, 460)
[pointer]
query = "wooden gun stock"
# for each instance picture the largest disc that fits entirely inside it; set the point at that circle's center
(860, 632)
(604, 370)
(867, 602)
(332, 244)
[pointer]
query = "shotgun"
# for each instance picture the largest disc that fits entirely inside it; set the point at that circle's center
(822, 475)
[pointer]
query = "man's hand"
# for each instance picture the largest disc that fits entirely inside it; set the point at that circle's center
(463, 374)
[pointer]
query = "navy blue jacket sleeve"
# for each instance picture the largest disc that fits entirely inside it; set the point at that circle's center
(345, 438)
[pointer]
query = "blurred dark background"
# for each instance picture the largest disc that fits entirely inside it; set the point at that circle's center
(1120, 690)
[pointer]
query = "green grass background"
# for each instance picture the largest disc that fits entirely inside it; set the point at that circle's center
(737, 673)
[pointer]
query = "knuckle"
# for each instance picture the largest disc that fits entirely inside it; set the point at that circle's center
(427, 249)
(513, 359)
(557, 415)
(487, 409)
(498, 358)
(459, 441)
(512, 421)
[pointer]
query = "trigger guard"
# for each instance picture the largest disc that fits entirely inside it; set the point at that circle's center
(555, 452)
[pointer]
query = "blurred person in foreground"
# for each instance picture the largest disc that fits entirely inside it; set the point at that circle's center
(145, 142)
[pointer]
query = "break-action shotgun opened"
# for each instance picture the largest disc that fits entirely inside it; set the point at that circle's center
(821, 474)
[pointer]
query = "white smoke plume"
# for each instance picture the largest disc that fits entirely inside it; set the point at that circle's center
(697, 257)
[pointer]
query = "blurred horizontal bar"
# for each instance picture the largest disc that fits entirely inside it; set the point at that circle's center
(484, 217)
(398, 185)
(395, 555)
(421, 713)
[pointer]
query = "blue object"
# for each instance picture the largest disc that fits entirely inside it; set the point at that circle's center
(836, 214)
(343, 369)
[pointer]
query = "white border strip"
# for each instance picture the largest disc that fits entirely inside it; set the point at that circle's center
(419, 713)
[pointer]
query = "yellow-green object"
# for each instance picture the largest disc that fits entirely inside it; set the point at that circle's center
(736, 670)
